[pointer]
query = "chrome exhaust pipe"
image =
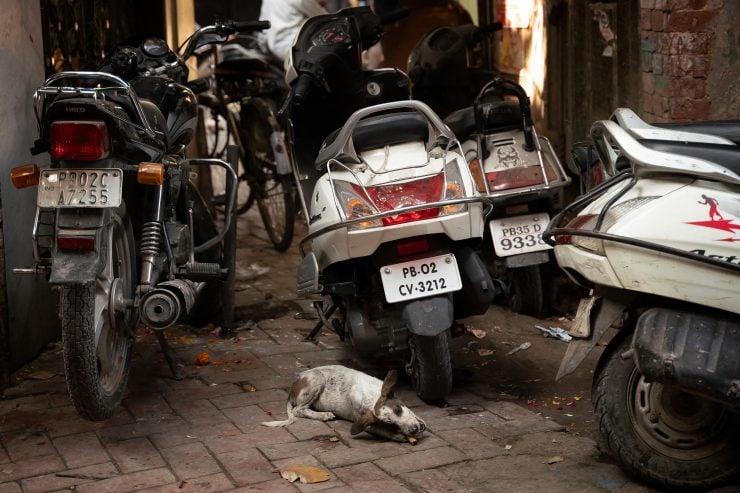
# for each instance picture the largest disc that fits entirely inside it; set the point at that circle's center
(167, 302)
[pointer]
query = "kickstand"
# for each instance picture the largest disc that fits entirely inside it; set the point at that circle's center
(323, 318)
(169, 355)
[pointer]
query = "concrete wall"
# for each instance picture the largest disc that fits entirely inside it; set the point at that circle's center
(31, 315)
(690, 59)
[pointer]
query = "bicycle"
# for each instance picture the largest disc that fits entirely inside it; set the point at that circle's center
(245, 93)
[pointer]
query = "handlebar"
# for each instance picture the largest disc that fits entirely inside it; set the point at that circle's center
(223, 29)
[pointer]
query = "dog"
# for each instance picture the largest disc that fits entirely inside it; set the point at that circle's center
(335, 391)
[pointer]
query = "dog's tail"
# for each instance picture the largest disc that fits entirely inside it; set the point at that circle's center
(279, 424)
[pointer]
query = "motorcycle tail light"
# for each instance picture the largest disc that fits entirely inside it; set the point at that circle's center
(407, 194)
(78, 243)
(79, 140)
(25, 176)
(412, 247)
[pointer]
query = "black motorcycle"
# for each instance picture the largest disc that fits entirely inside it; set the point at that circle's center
(120, 230)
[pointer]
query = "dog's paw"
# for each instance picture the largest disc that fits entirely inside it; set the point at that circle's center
(328, 416)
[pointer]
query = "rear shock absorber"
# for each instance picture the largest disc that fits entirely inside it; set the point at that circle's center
(151, 240)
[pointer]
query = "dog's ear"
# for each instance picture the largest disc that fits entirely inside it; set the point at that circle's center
(366, 419)
(390, 381)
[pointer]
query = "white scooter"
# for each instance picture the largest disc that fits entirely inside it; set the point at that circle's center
(659, 244)
(393, 212)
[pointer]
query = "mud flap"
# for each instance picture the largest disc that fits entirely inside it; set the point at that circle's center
(429, 316)
(73, 267)
(594, 317)
(478, 291)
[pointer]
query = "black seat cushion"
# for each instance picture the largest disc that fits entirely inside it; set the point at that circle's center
(389, 129)
(724, 155)
(729, 129)
(496, 116)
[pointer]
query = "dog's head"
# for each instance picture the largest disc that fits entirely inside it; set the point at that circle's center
(390, 412)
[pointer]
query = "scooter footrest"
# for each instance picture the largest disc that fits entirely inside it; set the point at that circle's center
(202, 271)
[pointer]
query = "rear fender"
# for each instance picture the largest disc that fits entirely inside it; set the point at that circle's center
(73, 267)
(429, 316)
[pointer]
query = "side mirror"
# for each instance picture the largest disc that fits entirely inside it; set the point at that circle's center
(583, 157)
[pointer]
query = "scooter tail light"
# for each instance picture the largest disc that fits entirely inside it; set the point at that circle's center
(407, 194)
(355, 205)
(77, 243)
(79, 140)
(24, 176)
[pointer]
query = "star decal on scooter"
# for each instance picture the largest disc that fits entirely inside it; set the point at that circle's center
(722, 224)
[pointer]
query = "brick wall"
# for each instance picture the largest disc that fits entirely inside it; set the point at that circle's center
(678, 38)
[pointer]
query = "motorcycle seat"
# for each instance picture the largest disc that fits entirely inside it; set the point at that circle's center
(496, 115)
(723, 155)
(729, 129)
(382, 130)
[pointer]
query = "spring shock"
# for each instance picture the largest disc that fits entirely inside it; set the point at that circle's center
(151, 239)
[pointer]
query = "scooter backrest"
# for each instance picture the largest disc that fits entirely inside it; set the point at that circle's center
(486, 114)
(377, 133)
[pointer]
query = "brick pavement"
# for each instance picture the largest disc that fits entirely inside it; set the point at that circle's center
(202, 433)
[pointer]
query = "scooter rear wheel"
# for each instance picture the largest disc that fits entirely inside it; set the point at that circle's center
(430, 367)
(662, 435)
(96, 339)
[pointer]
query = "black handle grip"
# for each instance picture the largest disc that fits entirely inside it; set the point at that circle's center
(248, 26)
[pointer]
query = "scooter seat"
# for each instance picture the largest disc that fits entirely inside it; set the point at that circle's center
(382, 130)
(724, 155)
(496, 116)
(729, 129)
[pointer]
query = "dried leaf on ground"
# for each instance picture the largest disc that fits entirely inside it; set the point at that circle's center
(306, 474)
(555, 459)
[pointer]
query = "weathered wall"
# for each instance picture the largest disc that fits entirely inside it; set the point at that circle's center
(31, 317)
(690, 59)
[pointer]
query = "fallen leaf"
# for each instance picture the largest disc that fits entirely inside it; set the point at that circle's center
(306, 474)
(41, 375)
(202, 359)
(554, 460)
(485, 352)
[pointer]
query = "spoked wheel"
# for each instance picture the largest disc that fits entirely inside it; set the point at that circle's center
(273, 191)
(526, 293)
(218, 136)
(430, 367)
(662, 435)
(97, 326)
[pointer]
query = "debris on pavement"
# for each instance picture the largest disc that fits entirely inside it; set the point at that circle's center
(306, 474)
(202, 359)
(253, 271)
(41, 375)
(520, 347)
(554, 460)
(555, 333)
(478, 333)
(485, 352)
(507, 447)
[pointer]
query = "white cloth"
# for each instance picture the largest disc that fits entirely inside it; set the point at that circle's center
(286, 18)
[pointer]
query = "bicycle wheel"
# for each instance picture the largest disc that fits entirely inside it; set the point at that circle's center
(218, 135)
(272, 191)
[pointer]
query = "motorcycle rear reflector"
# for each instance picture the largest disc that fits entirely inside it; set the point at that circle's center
(408, 194)
(412, 247)
(25, 176)
(79, 140)
(150, 174)
(516, 178)
(79, 243)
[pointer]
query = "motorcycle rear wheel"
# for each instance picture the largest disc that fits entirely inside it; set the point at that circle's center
(526, 293)
(661, 435)
(430, 367)
(96, 342)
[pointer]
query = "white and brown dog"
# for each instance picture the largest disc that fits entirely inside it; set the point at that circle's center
(334, 391)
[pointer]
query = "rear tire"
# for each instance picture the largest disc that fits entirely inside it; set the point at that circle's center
(97, 367)
(661, 435)
(430, 367)
(526, 293)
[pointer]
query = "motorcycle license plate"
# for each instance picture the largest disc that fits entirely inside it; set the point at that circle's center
(519, 234)
(92, 188)
(420, 278)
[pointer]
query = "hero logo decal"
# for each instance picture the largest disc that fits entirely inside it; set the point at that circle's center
(717, 220)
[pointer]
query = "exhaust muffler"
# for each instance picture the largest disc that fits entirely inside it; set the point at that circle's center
(162, 306)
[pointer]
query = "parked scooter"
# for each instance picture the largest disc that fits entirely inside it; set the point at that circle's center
(520, 175)
(657, 243)
(120, 230)
(393, 210)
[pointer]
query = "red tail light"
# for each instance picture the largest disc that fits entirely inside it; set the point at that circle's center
(577, 222)
(396, 196)
(80, 243)
(79, 140)
(412, 247)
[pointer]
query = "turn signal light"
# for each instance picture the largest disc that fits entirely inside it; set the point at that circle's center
(150, 174)
(25, 176)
